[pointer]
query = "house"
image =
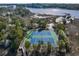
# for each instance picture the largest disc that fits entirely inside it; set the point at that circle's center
(59, 20)
(67, 19)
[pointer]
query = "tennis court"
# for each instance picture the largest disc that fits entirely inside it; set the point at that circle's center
(45, 36)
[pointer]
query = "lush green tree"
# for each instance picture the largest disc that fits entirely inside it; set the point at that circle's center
(1, 36)
(2, 25)
(16, 32)
(22, 12)
(27, 44)
(61, 27)
(42, 23)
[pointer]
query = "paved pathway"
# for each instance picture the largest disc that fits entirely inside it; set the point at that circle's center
(22, 46)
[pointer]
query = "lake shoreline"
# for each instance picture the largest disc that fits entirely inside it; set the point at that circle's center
(54, 11)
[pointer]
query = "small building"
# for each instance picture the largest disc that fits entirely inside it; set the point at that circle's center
(59, 20)
(66, 19)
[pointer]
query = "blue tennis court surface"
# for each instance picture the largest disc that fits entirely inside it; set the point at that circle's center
(45, 36)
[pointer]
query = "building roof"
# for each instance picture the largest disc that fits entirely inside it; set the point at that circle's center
(59, 20)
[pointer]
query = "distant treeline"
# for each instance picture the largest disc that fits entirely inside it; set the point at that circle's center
(46, 5)
(64, 6)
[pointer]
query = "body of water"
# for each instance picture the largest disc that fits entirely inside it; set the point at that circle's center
(54, 11)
